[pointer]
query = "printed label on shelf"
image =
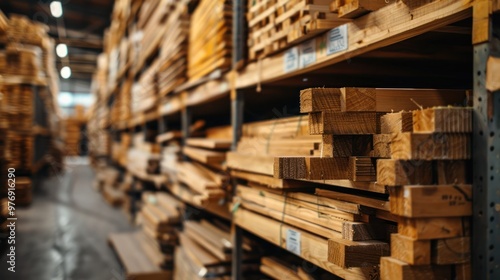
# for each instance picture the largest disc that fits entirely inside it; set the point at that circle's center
(291, 59)
(337, 40)
(293, 241)
(307, 53)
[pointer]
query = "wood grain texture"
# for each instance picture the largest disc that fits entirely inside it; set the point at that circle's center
(251, 163)
(341, 123)
(319, 99)
(360, 231)
(434, 228)
(451, 251)
(443, 119)
(409, 250)
(362, 169)
(424, 201)
(311, 168)
(391, 268)
(362, 200)
(345, 253)
(382, 145)
(452, 172)
(429, 146)
(391, 172)
(358, 99)
(396, 122)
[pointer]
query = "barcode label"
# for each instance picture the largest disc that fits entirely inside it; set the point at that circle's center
(337, 40)
(307, 53)
(293, 241)
(291, 59)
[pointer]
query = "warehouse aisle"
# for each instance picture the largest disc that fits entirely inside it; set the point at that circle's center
(63, 234)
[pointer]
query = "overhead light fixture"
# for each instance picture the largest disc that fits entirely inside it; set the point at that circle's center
(66, 72)
(56, 9)
(62, 50)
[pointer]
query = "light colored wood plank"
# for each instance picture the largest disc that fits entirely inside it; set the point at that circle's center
(432, 228)
(428, 146)
(443, 119)
(382, 145)
(411, 251)
(320, 99)
(391, 268)
(341, 123)
(251, 163)
(209, 143)
(396, 122)
(366, 201)
(451, 251)
(391, 172)
(204, 156)
(345, 253)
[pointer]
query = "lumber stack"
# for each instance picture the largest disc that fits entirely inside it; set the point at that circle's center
(107, 182)
(205, 251)
(210, 38)
(72, 128)
(23, 60)
(143, 157)
(160, 218)
(145, 92)
(285, 266)
(119, 149)
(429, 183)
(203, 174)
(356, 8)
(170, 153)
(173, 50)
(275, 25)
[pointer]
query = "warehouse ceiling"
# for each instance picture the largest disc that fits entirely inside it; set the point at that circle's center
(81, 28)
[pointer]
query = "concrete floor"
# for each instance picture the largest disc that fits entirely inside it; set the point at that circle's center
(63, 235)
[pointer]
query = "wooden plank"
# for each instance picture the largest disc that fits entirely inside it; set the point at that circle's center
(366, 201)
(319, 99)
(443, 119)
(251, 163)
(391, 172)
(134, 259)
(339, 123)
(463, 271)
(354, 9)
(345, 145)
(409, 250)
(345, 253)
(382, 145)
(360, 231)
(428, 146)
(312, 248)
(311, 168)
(391, 268)
(425, 201)
(204, 156)
(362, 169)
(451, 251)
(396, 122)
(433, 228)
(452, 172)
(213, 144)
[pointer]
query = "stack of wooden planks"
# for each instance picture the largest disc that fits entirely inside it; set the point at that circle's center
(173, 50)
(210, 38)
(21, 29)
(16, 106)
(119, 150)
(275, 25)
(286, 266)
(72, 128)
(160, 218)
(144, 94)
(356, 8)
(430, 192)
(143, 157)
(107, 182)
(24, 60)
(203, 173)
(204, 252)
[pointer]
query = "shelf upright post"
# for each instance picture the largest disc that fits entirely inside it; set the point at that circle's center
(237, 108)
(186, 120)
(486, 145)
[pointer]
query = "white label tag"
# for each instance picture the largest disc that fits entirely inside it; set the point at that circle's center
(307, 53)
(337, 40)
(291, 59)
(293, 241)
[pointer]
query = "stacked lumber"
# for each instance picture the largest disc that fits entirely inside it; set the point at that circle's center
(170, 153)
(144, 93)
(119, 149)
(430, 192)
(210, 38)
(356, 8)
(286, 266)
(173, 50)
(203, 173)
(16, 107)
(160, 218)
(24, 60)
(72, 135)
(4, 24)
(22, 30)
(275, 25)
(143, 157)
(205, 251)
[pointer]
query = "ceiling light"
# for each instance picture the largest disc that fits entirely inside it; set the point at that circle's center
(62, 50)
(56, 9)
(66, 72)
